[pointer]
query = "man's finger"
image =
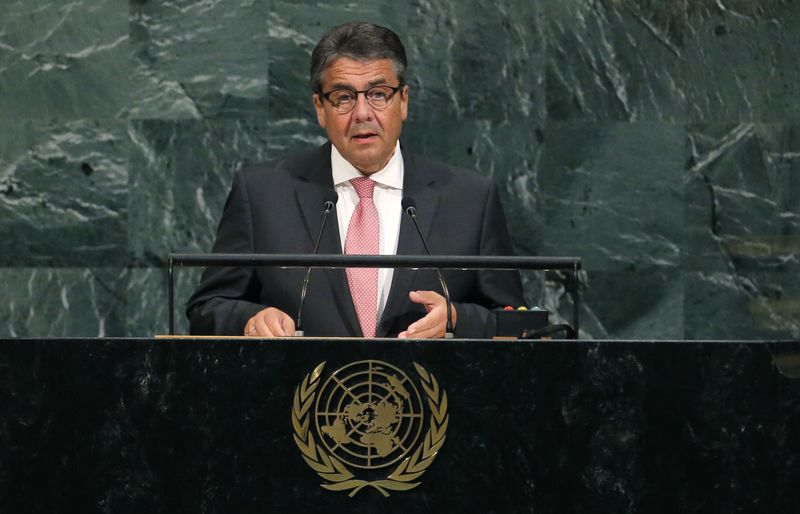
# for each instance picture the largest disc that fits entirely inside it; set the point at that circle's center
(427, 298)
(427, 326)
(262, 329)
(250, 327)
(275, 326)
(427, 331)
(287, 323)
(270, 322)
(422, 324)
(433, 300)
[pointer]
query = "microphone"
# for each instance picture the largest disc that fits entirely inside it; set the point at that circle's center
(327, 206)
(410, 208)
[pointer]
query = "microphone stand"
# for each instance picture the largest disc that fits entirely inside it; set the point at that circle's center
(411, 210)
(328, 207)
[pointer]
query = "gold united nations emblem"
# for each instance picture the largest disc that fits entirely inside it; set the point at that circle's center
(366, 425)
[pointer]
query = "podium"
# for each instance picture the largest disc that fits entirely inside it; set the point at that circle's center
(211, 425)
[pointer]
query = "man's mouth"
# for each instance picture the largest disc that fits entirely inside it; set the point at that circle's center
(366, 136)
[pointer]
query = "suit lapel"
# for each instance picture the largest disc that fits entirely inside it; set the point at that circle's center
(419, 186)
(310, 190)
(312, 186)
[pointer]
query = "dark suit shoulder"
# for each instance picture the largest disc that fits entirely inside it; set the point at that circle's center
(312, 165)
(446, 175)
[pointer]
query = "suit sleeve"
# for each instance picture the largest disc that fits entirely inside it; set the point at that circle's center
(476, 318)
(227, 296)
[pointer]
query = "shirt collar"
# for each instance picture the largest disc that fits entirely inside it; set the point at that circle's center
(390, 176)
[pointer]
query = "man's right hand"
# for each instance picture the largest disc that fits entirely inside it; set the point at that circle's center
(269, 322)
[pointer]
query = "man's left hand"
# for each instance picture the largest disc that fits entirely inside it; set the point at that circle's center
(432, 324)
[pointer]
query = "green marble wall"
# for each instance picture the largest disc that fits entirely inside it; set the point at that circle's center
(660, 141)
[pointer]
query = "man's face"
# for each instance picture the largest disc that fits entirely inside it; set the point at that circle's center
(364, 136)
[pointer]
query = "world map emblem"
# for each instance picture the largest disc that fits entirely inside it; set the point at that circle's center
(368, 424)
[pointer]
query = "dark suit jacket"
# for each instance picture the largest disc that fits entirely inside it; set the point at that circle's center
(277, 208)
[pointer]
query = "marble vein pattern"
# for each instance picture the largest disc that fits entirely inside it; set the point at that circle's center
(656, 140)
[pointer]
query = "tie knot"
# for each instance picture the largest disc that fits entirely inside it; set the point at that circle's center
(364, 187)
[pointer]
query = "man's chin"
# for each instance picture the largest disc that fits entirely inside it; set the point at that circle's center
(368, 168)
(367, 162)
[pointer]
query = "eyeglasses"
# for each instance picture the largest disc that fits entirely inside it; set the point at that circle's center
(344, 100)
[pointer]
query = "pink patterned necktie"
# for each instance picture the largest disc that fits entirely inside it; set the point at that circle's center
(363, 237)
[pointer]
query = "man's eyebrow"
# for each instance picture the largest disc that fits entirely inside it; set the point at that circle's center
(376, 82)
(344, 85)
(341, 85)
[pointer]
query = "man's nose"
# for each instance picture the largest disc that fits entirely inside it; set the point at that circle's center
(363, 110)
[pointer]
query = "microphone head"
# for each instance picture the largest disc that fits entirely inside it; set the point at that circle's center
(330, 200)
(409, 206)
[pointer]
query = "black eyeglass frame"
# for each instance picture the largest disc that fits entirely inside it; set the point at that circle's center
(364, 92)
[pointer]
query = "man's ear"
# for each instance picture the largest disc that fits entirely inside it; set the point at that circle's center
(315, 98)
(404, 102)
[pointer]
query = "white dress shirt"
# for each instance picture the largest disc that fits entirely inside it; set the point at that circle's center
(387, 196)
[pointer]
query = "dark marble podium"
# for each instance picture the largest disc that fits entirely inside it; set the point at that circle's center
(202, 425)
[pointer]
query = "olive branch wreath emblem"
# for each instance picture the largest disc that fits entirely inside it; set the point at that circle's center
(337, 475)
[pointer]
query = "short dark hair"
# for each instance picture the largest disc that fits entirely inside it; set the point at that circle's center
(359, 41)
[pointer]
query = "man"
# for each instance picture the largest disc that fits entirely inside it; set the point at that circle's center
(361, 100)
